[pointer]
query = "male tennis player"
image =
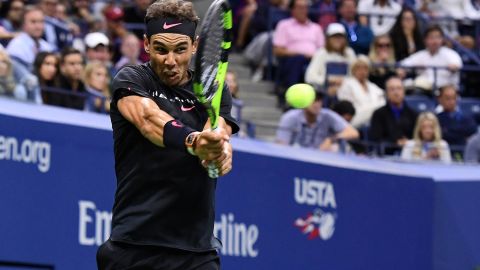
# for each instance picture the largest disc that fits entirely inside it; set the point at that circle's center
(163, 213)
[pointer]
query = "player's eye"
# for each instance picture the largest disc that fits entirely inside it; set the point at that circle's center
(181, 50)
(161, 50)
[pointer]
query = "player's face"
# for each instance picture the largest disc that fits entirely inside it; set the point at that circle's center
(170, 56)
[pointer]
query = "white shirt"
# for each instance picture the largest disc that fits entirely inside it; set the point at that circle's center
(317, 69)
(364, 102)
(379, 24)
(442, 147)
(23, 47)
(470, 11)
(443, 58)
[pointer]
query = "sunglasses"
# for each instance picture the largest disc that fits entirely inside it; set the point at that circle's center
(383, 45)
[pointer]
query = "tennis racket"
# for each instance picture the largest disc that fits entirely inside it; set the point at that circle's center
(211, 62)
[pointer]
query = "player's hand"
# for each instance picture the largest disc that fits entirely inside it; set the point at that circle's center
(224, 162)
(209, 145)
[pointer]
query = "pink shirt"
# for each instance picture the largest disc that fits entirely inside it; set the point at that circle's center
(301, 38)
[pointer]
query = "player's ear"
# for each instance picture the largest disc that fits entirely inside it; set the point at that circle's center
(195, 45)
(146, 44)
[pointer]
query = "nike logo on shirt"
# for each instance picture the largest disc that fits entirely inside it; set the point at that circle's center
(167, 26)
(185, 109)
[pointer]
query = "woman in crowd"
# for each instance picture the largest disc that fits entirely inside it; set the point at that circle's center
(427, 143)
(382, 58)
(97, 84)
(336, 50)
(365, 96)
(406, 34)
(45, 67)
(7, 82)
(130, 50)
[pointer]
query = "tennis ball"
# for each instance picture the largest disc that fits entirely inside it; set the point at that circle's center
(300, 95)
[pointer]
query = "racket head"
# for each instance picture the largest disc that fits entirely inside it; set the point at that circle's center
(211, 61)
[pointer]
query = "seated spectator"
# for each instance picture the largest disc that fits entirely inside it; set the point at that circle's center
(335, 50)
(406, 34)
(379, 14)
(359, 36)
(294, 42)
(327, 12)
(345, 109)
(81, 14)
(472, 150)
(237, 103)
(130, 50)
(135, 14)
(98, 49)
(246, 13)
(393, 123)
(46, 68)
(73, 91)
(427, 143)
(11, 14)
(382, 59)
(434, 55)
(314, 127)
(456, 125)
(115, 29)
(57, 32)
(8, 87)
(24, 47)
(432, 9)
(365, 96)
(472, 9)
(97, 82)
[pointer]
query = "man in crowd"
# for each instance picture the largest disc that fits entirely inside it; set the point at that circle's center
(359, 36)
(314, 127)
(393, 123)
(379, 14)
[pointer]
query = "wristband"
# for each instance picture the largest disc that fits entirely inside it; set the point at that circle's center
(175, 134)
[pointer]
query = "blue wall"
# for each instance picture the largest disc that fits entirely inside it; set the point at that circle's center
(280, 208)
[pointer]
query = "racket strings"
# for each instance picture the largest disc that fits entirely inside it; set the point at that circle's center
(212, 52)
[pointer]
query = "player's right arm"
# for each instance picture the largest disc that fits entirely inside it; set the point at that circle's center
(150, 120)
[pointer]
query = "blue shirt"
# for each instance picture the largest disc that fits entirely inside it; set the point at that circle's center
(24, 49)
(456, 127)
(359, 37)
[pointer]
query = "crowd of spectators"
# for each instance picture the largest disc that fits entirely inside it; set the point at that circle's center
(368, 59)
(64, 53)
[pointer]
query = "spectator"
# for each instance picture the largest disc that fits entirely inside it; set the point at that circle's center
(406, 34)
(135, 15)
(393, 123)
(472, 150)
(345, 109)
(383, 60)
(359, 36)
(24, 47)
(427, 143)
(456, 125)
(336, 50)
(46, 68)
(116, 30)
(435, 55)
(246, 14)
(237, 103)
(98, 49)
(57, 32)
(327, 12)
(11, 13)
(97, 82)
(365, 96)
(472, 9)
(130, 49)
(379, 14)
(81, 14)
(73, 89)
(314, 127)
(295, 41)
(8, 87)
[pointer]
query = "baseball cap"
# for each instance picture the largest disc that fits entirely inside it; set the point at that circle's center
(335, 29)
(94, 39)
(113, 13)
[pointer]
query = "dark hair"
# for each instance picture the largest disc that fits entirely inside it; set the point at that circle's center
(341, 2)
(433, 28)
(178, 9)
(399, 40)
(38, 62)
(344, 107)
(444, 88)
(68, 51)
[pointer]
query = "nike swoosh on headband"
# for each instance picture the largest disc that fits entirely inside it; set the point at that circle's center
(167, 26)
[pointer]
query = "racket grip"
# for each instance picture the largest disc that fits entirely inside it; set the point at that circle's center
(213, 171)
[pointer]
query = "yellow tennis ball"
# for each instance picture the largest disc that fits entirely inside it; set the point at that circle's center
(300, 95)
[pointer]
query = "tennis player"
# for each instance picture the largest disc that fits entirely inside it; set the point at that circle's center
(163, 213)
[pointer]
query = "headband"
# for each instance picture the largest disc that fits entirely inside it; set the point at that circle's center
(171, 25)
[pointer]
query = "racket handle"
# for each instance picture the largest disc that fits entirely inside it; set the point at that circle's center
(213, 171)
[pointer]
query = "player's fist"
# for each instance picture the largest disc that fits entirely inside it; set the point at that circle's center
(209, 144)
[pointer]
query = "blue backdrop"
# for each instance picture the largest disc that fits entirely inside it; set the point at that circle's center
(280, 208)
